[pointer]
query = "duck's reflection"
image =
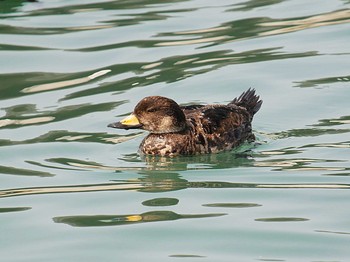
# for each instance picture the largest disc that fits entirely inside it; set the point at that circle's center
(118, 220)
(157, 183)
(149, 181)
(136, 162)
(241, 156)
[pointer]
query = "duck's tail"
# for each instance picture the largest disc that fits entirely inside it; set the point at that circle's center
(248, 100)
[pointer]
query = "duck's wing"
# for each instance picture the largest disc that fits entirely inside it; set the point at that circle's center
(191, 108)
(220, 127)
(219, 119)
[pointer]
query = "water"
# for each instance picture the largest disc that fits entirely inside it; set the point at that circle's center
(74, 190)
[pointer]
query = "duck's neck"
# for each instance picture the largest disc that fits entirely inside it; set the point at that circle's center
(173, 129)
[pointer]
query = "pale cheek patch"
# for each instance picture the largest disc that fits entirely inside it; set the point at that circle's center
(166, 122)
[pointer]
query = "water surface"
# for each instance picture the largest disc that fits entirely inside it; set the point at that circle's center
(73, 189)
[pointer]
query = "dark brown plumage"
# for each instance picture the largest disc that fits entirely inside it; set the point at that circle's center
(195, 129)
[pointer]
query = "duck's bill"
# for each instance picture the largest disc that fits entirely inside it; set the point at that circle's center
(130, 122)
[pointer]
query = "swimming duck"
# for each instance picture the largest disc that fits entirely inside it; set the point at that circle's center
(193, 129)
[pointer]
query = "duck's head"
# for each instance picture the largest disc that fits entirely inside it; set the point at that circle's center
(155, 114)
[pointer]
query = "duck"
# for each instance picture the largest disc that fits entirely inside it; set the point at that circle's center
(192, 129)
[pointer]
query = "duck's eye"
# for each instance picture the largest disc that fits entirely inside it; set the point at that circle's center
(150, 110)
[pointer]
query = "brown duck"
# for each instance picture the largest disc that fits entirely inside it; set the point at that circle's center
(194, 129)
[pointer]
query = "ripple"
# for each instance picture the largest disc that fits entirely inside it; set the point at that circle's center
(28, 121)
(159, 183)
(323, 82)
(193, 41)
(163, 201)
(55, 115)
(282, 219)
(63, 84)
(271, 260)
(13, 209)
(288, 26)
(300, 164)
(232, 205)
(186, 256)
(333, 232)
(8, 170)
(58, 155)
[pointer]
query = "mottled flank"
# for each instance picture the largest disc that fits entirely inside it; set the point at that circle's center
(194, 129)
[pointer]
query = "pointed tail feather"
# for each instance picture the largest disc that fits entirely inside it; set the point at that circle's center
(248, 100)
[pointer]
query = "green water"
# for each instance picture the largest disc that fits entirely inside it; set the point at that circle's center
(74, 190)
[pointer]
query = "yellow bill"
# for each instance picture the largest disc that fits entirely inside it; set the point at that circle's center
(130, 120)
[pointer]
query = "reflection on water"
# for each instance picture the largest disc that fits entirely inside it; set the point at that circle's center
(232, 205)
(187, 256)
(145, 163)
(62, 84)
(256, 27)
(163, 201)
(159, 184)
(60, 114)
(323, 81)
(69, 136)
(287, 26)
(117, 220)
(71, 66)
(169, 69)
(305, 132)
(9, 170)
(343, 120)
(276, 159)
(300, 164)
(333, 232)
(251, 4)
(28, 121)
(282, 219)
(13, 209)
